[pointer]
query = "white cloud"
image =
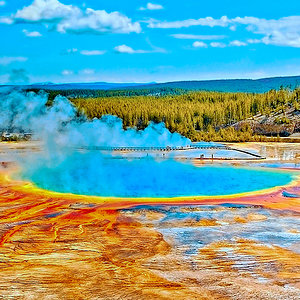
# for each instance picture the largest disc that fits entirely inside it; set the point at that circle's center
(279, 32)
(254, 41)
(67, 72)
(6, 20)
(31, 33)
(197, 37)
(128, 50)
(84, 52)
(237, 43)
(151, 6)
(46, 10)
(70, 18)
(217, 45)
(92, 52)
(98, 21)
(208, 21)
(2, 3)
(7, 60)
(124, 49)
(199, 44)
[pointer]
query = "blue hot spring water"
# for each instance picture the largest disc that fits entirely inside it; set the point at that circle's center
(95, 174)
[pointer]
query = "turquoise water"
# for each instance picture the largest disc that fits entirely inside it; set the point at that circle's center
(95, 174)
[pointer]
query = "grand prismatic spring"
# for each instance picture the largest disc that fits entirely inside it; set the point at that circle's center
(82, 224)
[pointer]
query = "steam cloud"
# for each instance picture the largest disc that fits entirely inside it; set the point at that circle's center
(18, 76)
(60, 124)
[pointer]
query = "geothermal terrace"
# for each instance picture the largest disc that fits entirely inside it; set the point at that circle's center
(189, 248)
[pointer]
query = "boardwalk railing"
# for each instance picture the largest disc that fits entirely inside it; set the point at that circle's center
(247, 152)
(160, 149)
(169, 149)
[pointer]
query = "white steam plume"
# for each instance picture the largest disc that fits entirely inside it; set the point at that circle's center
(60, 125)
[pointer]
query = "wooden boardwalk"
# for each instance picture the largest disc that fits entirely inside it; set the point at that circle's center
(170, 149)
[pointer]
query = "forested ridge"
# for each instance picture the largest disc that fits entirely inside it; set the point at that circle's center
(198, 115)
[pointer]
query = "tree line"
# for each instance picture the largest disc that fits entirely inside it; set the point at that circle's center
(198, 115)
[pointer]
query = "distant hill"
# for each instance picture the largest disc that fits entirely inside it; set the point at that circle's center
(224, 85)
(234, 85)
(77, 86)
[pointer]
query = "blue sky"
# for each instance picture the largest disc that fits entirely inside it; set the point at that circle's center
(142, 41)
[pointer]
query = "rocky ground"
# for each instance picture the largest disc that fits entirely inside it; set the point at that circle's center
(285, 123)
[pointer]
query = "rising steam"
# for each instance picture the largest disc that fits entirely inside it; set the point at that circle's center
(60, 125)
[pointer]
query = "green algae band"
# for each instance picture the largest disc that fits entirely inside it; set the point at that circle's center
(90, 174)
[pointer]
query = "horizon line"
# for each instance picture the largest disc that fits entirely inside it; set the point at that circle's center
(145, 83)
